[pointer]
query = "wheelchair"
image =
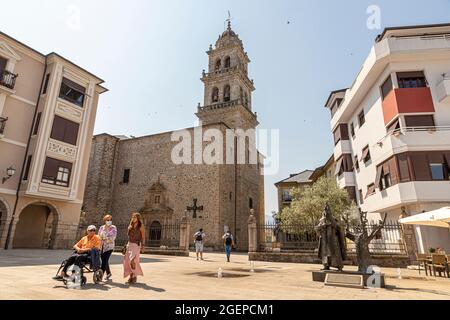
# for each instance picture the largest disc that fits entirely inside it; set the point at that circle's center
(75, 275)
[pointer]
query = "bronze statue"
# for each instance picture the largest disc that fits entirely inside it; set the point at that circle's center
(332, 249)
(361, 237)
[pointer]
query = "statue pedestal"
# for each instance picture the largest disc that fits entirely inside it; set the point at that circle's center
(349, 278)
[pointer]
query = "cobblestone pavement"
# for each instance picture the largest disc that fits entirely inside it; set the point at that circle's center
(26, 274)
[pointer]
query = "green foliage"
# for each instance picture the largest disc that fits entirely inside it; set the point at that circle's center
(308, 204)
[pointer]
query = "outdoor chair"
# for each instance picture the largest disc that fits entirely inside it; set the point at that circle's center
(422, 260)
(439, 263)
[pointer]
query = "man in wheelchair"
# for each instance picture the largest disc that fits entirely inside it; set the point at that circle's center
(87, 251)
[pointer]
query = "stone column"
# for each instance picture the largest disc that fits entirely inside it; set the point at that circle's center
(4, 225)
(252, 233)
(13, 230)
(409, 237)
(184, 234)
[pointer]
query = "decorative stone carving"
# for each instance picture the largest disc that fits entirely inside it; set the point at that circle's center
(63, 150)
(156, 203)
(69, 112)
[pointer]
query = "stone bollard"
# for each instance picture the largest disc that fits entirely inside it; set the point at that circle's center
(252, 233)
(184, 234)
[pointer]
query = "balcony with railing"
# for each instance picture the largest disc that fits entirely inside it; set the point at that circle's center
(2, 126)
(416, 139)
(226, 104)
(8, 79)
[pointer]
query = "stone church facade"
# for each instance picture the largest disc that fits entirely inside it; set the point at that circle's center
(138, 175)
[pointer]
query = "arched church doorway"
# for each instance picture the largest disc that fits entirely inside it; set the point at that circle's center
(155, 232)
(36, 227)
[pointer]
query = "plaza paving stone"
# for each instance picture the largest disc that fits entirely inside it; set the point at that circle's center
(26, 274)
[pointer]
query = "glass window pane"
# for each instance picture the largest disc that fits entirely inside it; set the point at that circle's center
(437, 171)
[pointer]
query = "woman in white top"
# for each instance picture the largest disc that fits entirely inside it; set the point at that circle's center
(107, 234)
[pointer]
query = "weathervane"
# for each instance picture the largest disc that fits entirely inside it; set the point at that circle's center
(228, 20)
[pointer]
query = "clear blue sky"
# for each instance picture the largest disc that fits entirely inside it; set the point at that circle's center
(151, 54)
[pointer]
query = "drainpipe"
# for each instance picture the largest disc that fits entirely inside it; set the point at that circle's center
(8, 236)
(235, 188)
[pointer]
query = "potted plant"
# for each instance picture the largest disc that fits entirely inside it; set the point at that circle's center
(432, 250)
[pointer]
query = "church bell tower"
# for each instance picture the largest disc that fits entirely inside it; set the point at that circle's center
(228, 90)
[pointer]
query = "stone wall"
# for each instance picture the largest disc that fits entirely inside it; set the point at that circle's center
(388, 261)
(215, 186)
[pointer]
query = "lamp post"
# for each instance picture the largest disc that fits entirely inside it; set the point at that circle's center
(9, 173)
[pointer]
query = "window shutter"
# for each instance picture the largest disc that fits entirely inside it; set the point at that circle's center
(3, 63)
(435, 157)
(365, 152)
(338, 166)
(74, 85)
(403, 167)
(419, 121)
(447, 158)
(50, 167)
(344, 131)
(337, 135)
(420, 167)
(378, 176)
(393, 170)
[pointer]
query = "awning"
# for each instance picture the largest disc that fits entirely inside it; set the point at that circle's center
(338, 166)
(435, 218)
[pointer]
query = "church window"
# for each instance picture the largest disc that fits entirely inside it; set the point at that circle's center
(250, 202)
(157, 199)
(226, 93)
(218, 65)
(245, 99)
(227, 62)
(241, 94)
(215, 94)
(126, 176)
(231, 195)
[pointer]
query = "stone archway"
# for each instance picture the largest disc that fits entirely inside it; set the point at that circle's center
(36, 227)
(155, 234)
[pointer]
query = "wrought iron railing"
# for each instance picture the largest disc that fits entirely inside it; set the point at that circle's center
(388, 240)
(156, 236)
(304, 238)
(8, 79)
(2, 125)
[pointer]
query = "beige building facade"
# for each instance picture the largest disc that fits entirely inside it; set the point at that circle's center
(47, 113)
(129, 175)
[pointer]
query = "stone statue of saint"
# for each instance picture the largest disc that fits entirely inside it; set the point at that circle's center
(332, 249)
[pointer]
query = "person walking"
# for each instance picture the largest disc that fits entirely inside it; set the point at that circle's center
(228, 242)
(108, 234)
(134, 247)
(199, 241)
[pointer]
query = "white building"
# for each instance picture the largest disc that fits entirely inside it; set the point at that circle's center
(392, 128)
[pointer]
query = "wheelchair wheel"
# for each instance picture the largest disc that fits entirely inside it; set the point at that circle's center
(98, 276)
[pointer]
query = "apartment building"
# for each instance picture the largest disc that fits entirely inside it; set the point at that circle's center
(47, 113)
(391, 128)
(299, 180)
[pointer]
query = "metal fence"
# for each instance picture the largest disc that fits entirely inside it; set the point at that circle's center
(387, 241)
(304, 238)
(167, 235)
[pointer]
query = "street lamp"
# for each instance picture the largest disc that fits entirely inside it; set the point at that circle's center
(9, 173)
